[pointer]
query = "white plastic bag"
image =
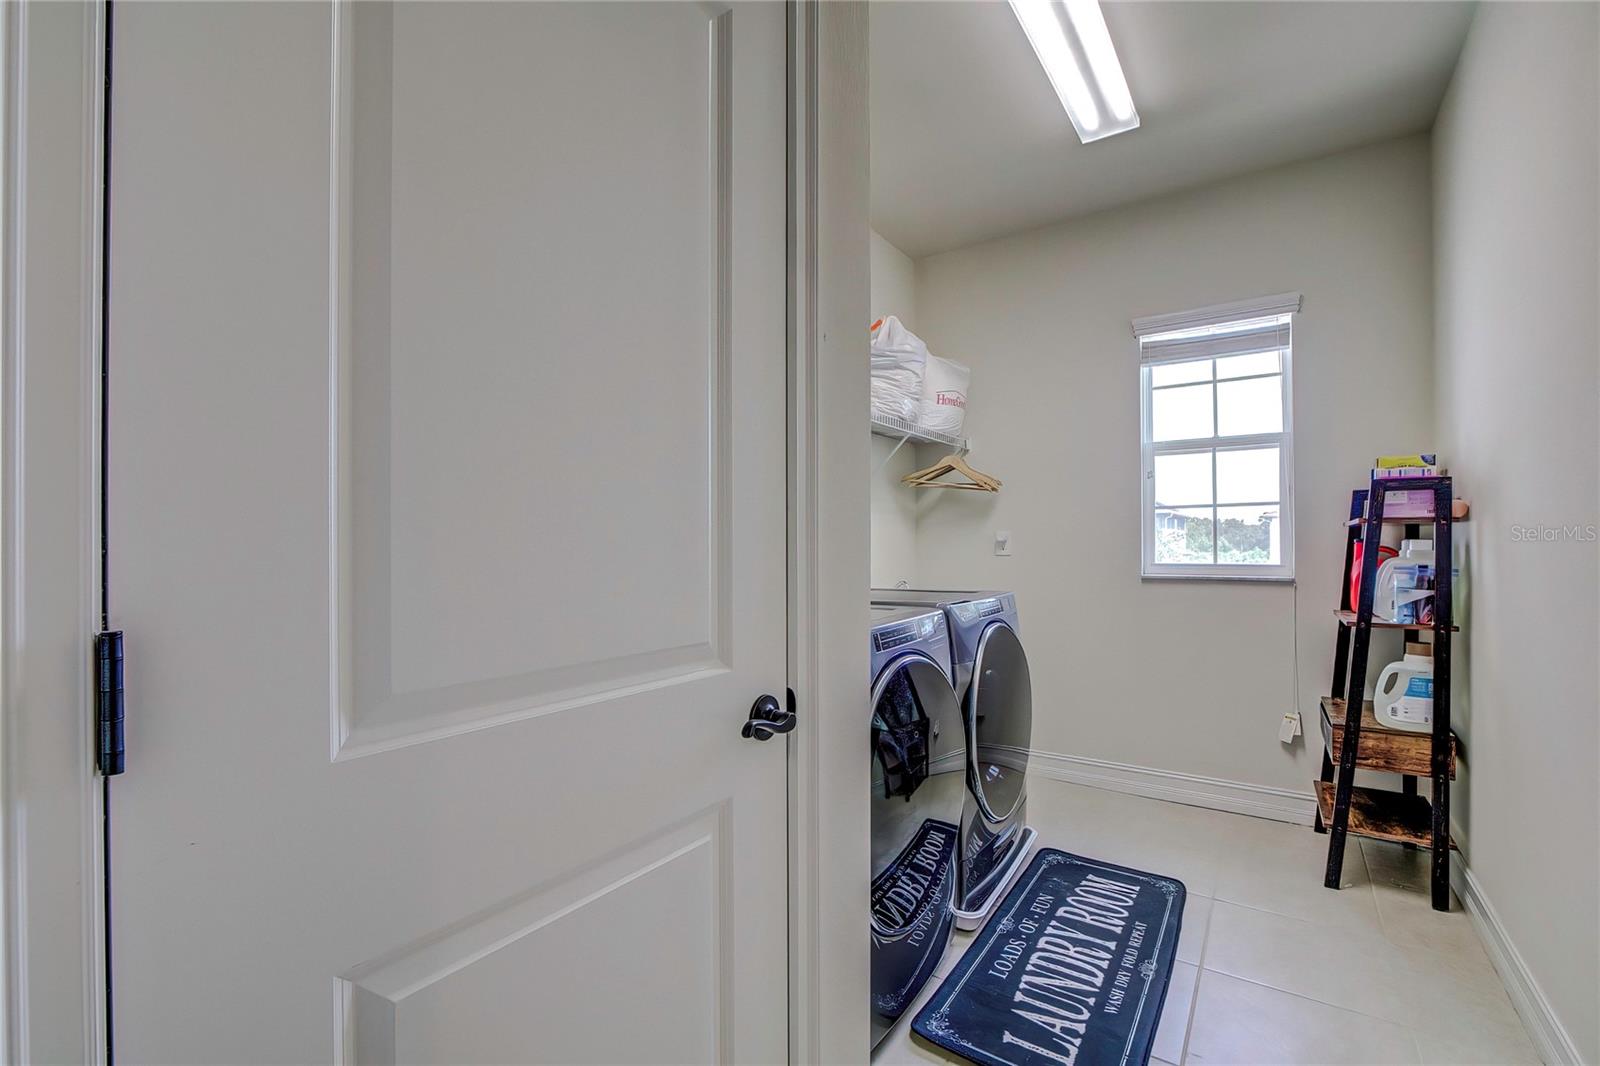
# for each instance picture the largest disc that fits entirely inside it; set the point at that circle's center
(944, 396)
(899, 360)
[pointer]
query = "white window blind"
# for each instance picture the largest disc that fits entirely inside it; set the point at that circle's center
(1216, 440)
(1284, 303)
(1248, 337)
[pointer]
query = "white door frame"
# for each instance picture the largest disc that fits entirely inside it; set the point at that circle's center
(53, 928)
(830, 459)
(52, 1004)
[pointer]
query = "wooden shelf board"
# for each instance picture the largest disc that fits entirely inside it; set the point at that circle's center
(1386, 520)
(1348, 618)
(1387, 750)
(1382, 815)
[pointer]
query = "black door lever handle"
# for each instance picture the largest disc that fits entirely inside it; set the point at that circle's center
(767, 717)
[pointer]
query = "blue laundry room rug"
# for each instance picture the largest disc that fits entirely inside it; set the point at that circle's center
(1071, 970)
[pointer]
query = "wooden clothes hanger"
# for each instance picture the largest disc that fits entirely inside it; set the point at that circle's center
(928, 477)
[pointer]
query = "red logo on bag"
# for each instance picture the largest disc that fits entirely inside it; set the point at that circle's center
(949, 399)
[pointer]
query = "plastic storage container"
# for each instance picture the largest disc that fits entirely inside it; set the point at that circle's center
(1403, 696)
(1405, 585)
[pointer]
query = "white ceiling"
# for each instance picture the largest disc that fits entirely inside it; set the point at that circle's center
(969, 141)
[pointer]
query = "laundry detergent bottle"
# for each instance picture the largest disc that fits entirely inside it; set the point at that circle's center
(1403, 698)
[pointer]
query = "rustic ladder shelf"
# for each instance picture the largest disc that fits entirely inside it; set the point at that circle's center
(1360, 741)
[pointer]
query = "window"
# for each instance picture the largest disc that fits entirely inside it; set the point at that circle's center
(1217, 444)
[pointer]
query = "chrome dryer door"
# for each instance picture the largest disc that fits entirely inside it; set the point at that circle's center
(1000, 718)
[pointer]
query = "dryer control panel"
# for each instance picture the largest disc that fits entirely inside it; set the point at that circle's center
(898, 631)
(887, 638)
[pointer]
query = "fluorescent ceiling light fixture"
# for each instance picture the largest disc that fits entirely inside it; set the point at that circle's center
(1074, 47)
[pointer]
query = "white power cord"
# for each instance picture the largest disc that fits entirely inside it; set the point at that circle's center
(1291, 726)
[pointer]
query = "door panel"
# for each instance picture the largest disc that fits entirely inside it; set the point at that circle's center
(447, 447)
(458, 997)
(461, 239)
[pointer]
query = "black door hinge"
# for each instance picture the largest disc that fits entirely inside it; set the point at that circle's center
(108, 705)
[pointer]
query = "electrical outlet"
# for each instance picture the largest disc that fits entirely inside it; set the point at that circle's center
(1002, 542)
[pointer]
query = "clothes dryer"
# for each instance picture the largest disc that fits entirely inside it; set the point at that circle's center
(919, 766)
(990, 672)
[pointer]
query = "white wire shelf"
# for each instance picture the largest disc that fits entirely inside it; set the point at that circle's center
(901, 429)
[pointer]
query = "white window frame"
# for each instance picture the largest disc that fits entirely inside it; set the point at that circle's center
(1284, 305)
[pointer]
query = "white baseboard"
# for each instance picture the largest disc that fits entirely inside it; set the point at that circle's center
(1237, 797)
(1550, 1038)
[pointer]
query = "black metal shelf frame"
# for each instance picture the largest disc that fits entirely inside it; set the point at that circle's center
(1350, 670)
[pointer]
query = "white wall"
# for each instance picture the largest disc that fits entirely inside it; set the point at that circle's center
(894, 515)
(1516, 188)
(1184, 676)
(893, 282)
(894, 506)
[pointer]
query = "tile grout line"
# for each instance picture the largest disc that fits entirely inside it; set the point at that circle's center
(1409, 1033)
(1321, 923)
(1413, 1031)
(1199, 972)
(1403, 1027)
(1259, 982)
(1383, 924)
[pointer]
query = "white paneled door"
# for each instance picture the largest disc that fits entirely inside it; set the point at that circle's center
(447, 530)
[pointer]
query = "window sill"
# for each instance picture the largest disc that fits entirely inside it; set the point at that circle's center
(1248, 579)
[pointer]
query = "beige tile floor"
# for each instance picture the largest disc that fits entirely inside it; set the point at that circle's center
(1272, 967)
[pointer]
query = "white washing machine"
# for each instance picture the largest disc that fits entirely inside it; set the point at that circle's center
(990, 671)
(919, 768)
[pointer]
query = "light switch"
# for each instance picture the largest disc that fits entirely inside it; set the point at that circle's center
(1002, 542)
